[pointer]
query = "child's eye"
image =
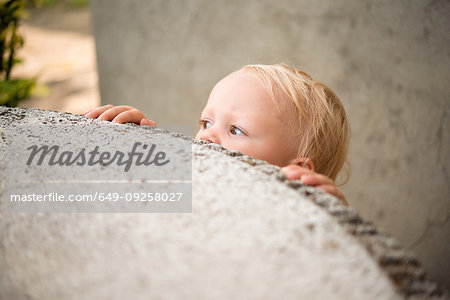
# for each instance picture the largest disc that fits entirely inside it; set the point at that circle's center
(236, 131)
(205, 124)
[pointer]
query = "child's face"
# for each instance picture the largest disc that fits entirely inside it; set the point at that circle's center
(240, 115)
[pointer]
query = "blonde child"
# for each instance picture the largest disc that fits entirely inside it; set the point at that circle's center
(274, 113)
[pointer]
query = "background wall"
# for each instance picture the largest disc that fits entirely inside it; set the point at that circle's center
(388, 62)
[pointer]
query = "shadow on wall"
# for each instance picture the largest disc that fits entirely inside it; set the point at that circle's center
(387, 61)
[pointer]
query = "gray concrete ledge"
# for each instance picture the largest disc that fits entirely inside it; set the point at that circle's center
(252, 234)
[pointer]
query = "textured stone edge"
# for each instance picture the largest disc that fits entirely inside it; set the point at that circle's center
(401, 265)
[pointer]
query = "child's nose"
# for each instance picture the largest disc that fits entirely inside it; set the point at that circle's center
(210, 135)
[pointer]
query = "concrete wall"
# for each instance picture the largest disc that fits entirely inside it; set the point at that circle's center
(388, 61)
(252, 233)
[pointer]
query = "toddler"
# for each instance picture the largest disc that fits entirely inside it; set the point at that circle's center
(274, 113)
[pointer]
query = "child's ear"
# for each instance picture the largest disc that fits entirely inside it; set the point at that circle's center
(304, 162)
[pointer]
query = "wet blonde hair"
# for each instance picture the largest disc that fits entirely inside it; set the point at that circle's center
(322, 132)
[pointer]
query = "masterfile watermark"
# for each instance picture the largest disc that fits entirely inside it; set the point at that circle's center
(100, 197)
(93, 157)
(87, 168)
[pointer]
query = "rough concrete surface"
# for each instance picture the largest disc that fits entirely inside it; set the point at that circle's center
(252, 235)
(387, 60)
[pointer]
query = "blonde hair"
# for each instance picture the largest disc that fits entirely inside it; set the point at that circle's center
(322, 131)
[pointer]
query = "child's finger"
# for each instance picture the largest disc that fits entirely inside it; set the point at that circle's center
(291, 167)
(94, 113)
(129, 116)
(88, 111)
(295, 171)
(316, 179)
(333, 190)
(147, 122)
(111, 113)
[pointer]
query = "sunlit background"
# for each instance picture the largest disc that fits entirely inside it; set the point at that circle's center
(388, 61)
(59, 51)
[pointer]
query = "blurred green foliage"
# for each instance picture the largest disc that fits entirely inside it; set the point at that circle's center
(70, 3)
(79, 3)
(40, 3)
(11, 91)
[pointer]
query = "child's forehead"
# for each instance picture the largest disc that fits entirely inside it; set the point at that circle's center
(240, 78)
(240, 87)
(243, 90)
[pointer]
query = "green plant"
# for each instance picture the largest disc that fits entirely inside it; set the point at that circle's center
(79, 3)
(65, 3)
(11, 90)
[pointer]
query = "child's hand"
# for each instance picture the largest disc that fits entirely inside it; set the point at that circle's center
(119, 114)
(311, 178)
